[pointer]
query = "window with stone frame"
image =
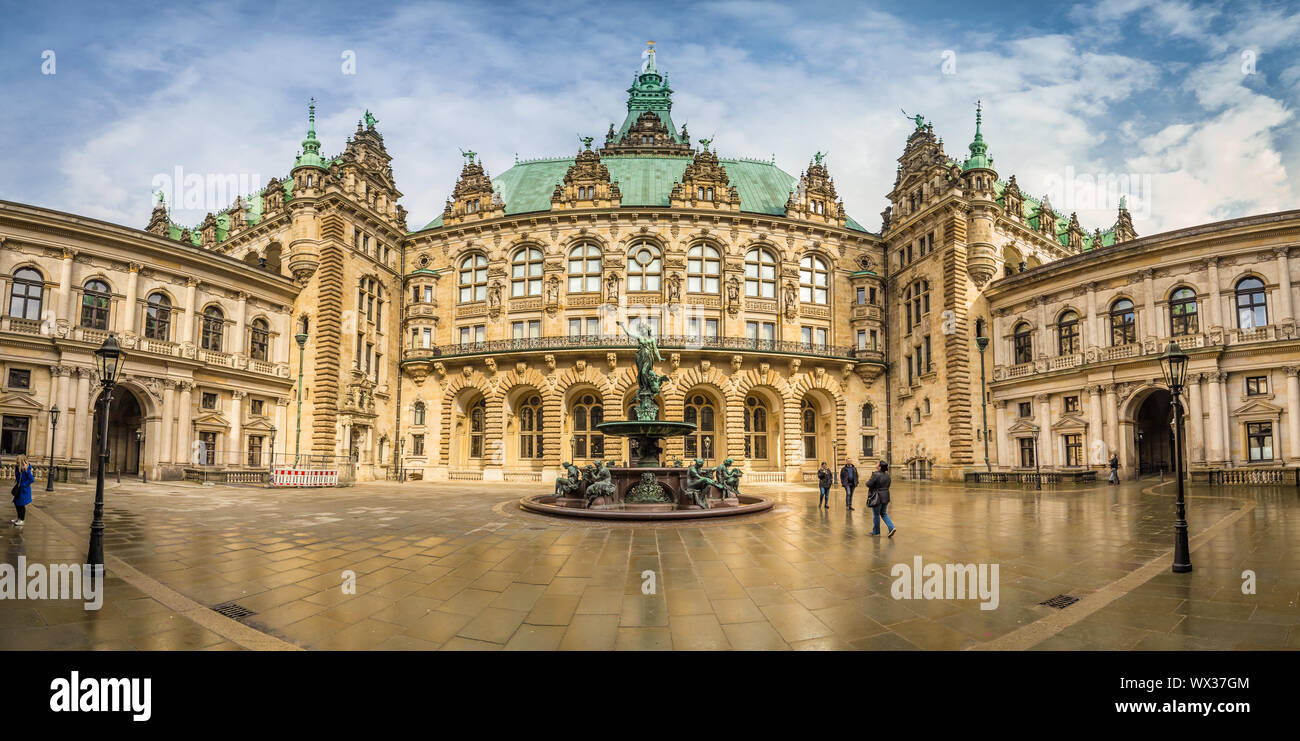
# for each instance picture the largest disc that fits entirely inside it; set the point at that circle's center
(532, 430)
(1252, 303)
(19, 379)
(755, 424)
(26, 294)
(95, 303)
(1071, 404)
(703, 269)
(1067, 333)
(214, 328)
(760, 273)
(814, 280)
(158, 317)
(526, 272)
(13, 434)
(471, 279)
(587, 413)
(700, 411)
(1022, 343)
(1026, 452)
(585, 269)
(1183, 312)
(1259, 440)
(1256, 385)
(1073, 450)
(1123, 323)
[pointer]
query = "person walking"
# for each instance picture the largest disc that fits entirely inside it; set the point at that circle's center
(1114, 468)
(849, 480)
(825, 480)
(22, 491)
(878, 499)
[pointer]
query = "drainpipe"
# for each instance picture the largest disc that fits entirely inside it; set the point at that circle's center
(889, 371)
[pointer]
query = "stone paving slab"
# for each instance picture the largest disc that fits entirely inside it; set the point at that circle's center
(458, 566)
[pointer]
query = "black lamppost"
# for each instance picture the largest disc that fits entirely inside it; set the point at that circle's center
(54, 425)
(1038, 472)
(982, 343)
(110, 361)
(301, 339)
(139, 451)
(271, 462)
(1174, 365)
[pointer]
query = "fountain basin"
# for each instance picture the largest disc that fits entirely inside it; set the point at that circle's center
(647, 434)
(546, 504)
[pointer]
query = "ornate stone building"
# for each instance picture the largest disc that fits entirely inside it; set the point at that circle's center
(490, 343)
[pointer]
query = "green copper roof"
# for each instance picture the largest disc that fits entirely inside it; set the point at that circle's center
(650, 92)
(978, 149)
(1031, 207)
(310, 156)
(645, 181)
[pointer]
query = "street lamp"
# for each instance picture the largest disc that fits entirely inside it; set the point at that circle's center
(301, 338)
(139, 451)
(1174, 365)
(1038, 473)
(982, 343)
(110, 359)
(54, 425)
(271, 462)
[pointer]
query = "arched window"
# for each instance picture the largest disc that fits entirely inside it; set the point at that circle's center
(472, 279)
(814, 280)
(158, 317)
(868, 416)
(1252, 308)
(808, 424)
(645, 268)
(584, 269)
(214, 326)
(703, 267)
(1023, 344)
(94, 305)
(477, 425)
(916, 302)
(532, 440)
(1123, 323)
(259, 340)
(1067, 333)
(1183, 312)
(700, 443)
(25, 298)
(760, 273)
(526, 272)
(756, 416)
(417, 413)
(587, 413)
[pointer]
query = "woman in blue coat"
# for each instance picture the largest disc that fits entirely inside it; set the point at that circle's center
(24, 476)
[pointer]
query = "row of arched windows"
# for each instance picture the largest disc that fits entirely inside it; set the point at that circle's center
(25, 302)
(645, 267)
(1249, 297)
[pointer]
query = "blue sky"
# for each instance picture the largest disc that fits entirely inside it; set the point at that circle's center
(1193, 104)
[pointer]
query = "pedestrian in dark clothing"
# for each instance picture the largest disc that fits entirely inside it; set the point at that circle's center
(825, 480)
(1114, 468)
(22, 491)
(849, 480)
(878, 499)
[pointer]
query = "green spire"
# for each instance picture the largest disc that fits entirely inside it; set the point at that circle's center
(310, 156)
(978, 149)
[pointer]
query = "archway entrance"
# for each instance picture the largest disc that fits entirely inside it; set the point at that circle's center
(1154, 434)
(125, 428)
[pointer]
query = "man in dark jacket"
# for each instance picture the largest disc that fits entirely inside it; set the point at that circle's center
(1114, 468)
(825, 480)
(848, 480)
(878, 498)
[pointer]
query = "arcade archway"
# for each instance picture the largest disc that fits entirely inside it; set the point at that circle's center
(125, 433)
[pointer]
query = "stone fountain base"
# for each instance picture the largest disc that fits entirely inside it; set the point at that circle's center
(679, 505)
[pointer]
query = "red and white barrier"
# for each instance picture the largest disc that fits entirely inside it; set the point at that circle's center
(304, 477)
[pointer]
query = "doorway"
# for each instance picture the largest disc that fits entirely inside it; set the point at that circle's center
(1154, 431)
(125, 423)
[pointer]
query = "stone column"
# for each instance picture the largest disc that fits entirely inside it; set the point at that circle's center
(1046, 439)
(166, 447)
(64, 306)
(239, 341)
(84, 418)
(132, 293)
(1196, 448)
(1293, 411)
(281, 428)
(1216, 304)
(63, 375)
(1096, 428)
(1150, 324)
(188, 398)
(1215, 454)
(1002, 446)
(1112, 420)
(1286, 315)
(1090, 336)
(236, 427)
(187, 332)
(1041, 346)
(1226, 418)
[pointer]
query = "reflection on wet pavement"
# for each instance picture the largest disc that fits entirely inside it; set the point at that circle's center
(456, 566)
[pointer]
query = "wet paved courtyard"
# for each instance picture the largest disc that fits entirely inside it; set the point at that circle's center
(459, 566)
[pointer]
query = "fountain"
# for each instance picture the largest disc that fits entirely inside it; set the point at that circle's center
(647, 490)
